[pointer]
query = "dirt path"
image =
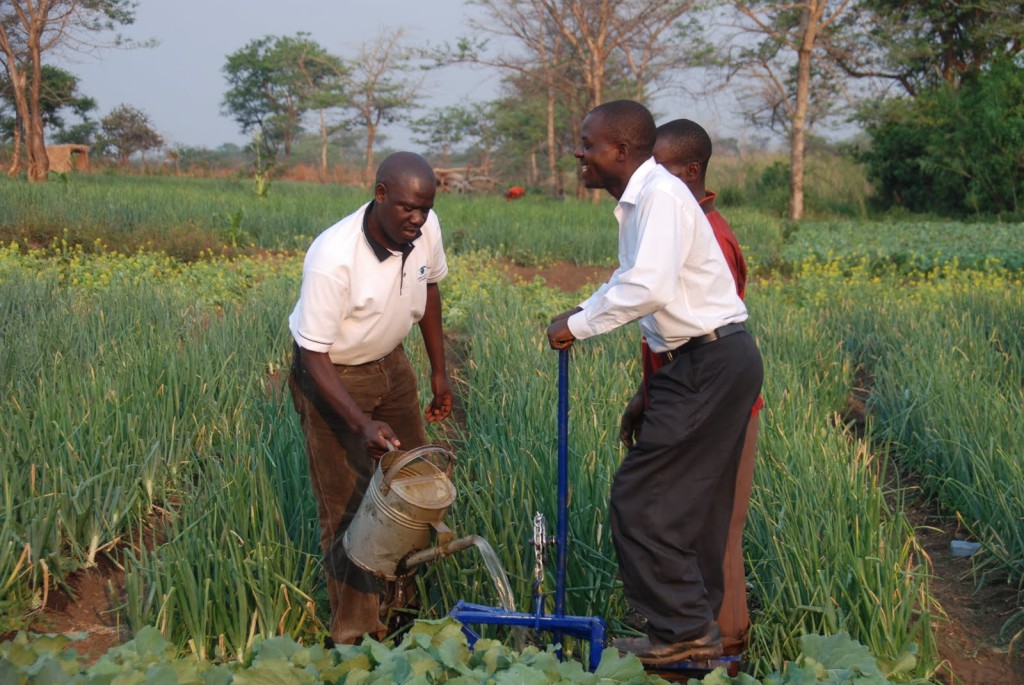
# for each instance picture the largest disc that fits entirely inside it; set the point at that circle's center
(969, 636)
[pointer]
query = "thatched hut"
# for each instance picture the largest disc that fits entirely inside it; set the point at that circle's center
(64, 158)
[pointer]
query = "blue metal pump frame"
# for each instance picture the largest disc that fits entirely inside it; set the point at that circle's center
(592, 628)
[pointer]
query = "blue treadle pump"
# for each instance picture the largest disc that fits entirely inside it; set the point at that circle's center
(591, 628)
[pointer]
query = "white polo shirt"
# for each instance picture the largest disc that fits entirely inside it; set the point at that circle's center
(672, 276)
(359, 299)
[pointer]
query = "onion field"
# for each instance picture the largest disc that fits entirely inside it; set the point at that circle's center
(145, 421)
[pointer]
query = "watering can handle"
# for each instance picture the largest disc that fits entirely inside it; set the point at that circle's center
(412, 455)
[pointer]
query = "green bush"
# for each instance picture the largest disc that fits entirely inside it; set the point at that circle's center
(952, 151)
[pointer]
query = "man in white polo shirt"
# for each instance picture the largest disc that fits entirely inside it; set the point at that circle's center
(671, 499)
(365, 281)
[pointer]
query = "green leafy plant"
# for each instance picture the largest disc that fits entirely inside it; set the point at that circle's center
(431, 652)
(233, 232)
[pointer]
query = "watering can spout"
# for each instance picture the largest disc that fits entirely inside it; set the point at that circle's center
(447, 549)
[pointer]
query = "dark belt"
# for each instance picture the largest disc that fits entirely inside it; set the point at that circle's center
(700, 340)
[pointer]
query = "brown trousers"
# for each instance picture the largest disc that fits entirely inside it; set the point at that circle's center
(733, 617)
(340, 470)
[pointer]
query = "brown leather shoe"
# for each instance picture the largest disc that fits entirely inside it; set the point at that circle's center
(653, 652)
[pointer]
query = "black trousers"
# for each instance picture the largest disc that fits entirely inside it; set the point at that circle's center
(672, 497)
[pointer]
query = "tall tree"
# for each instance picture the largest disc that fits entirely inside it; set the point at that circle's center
(580, 49)
(129, 130)
(542, 71)
(444, 129)
(59, 98)
(784, 53)
(325, 77)
(923, 43)
(274, 81)
(636, 30)
(485, 134)
(535, 131)
(377, 93)
(31, 28)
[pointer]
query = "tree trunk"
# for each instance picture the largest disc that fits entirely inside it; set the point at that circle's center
(15, 167)
(323, 148)
(286, 145)
(485, 163)
(18, 85)
(371, 130)
(17, 81)
(597, 87)
(552, 151)
(35, 144)
(809, 25)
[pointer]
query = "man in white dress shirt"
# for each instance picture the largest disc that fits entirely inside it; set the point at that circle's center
(365, 281)
(671, 499)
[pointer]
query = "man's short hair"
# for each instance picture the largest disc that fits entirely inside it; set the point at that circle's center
(628, 121)
(687, 142)
(401, 166)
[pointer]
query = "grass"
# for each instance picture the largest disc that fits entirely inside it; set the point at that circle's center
(188, 218)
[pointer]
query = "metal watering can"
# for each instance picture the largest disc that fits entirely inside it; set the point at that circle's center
(405, 502)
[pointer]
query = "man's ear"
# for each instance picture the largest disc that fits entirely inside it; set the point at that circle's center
(622, 151)
(380, 192)
(691, 172)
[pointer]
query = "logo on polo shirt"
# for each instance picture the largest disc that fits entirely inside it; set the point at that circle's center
(422, 275)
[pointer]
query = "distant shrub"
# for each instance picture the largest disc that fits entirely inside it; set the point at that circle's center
(952, 151)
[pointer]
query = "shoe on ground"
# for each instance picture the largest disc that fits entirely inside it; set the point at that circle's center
(653, 652)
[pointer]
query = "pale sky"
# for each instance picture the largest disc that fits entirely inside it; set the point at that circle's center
(179, 83)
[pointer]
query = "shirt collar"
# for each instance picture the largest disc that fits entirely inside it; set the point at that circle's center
(707, 203)
(636, 181)
(380, 250)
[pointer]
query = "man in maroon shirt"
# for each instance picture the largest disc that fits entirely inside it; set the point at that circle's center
(683, 147)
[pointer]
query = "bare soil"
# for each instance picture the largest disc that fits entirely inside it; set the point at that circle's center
(89, 611)
(972, 612)
(969, 635)
(564, 276)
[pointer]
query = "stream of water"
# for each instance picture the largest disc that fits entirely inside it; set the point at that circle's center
(494, 567)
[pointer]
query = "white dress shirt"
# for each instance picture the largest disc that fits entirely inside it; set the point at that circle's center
(359, 301)
(672, 276)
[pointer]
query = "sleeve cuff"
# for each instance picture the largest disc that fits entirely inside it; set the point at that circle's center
(578, 326)
(311, 345)
(438, 277)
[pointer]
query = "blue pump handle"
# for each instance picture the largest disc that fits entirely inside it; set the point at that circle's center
(562, 530)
